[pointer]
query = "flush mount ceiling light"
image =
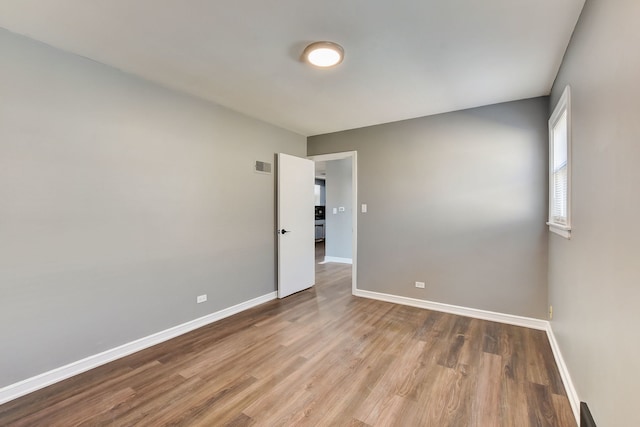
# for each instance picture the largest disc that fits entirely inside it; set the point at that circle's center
(323, 54)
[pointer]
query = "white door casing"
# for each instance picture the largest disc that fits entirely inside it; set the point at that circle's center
(353, 155)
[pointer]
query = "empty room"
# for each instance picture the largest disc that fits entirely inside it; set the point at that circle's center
(283, 213)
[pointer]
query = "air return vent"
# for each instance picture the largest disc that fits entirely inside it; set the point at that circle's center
(263, 167)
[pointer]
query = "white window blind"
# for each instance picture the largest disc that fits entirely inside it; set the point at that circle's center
(560, 181)
(560, 167)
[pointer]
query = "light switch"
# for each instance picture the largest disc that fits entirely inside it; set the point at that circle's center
(335, 211)
(364, 208)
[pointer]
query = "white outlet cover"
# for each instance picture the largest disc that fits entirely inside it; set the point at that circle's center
(201, 298)
(420, 285)
(341, 208)
(364, 208)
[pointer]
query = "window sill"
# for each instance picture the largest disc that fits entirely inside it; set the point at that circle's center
(560, 230)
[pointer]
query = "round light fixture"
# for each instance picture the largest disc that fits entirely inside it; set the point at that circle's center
(323, 54)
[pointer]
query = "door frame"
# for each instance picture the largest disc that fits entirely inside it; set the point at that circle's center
(353, 155)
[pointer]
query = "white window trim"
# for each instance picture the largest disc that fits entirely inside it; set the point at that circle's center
(564, 104)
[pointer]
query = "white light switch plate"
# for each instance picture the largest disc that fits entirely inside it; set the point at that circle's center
(364, 208)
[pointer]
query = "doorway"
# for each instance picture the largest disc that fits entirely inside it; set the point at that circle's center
(336, 211)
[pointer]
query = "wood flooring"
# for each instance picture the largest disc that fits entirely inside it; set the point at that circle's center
(320, 357)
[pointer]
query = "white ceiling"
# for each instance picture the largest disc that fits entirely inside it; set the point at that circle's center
(403, 58)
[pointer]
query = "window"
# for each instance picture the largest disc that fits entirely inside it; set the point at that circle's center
(560, 166)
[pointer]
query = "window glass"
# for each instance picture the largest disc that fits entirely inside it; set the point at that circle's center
(560, 166)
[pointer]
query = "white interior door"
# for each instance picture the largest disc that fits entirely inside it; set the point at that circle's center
(296, 224)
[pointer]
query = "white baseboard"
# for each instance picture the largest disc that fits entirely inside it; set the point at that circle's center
(572, 394)
(37, 382)
(13, 391)
(509, 319)
(337, 259)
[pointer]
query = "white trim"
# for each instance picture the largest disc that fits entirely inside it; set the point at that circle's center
(560, 230)
(29, 385)
(337, 259)
(354, 208)
(13, 391)
(331, 156)
(559, 226)
(510, 319)
(570, 389)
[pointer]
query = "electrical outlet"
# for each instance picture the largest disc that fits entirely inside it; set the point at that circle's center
(420, 285)
(550, 312)
(201, 298)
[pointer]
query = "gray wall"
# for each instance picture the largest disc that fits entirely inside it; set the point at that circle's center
(120, 202)
(457, 200)
(339, 194)
(594, 278)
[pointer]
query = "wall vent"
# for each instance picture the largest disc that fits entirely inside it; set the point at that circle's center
(263, 167)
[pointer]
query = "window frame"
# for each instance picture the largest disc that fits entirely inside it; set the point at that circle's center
(562, 107)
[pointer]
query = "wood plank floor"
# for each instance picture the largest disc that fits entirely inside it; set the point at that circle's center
(320, 357)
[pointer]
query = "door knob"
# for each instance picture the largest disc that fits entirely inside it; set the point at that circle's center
(283, 231)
